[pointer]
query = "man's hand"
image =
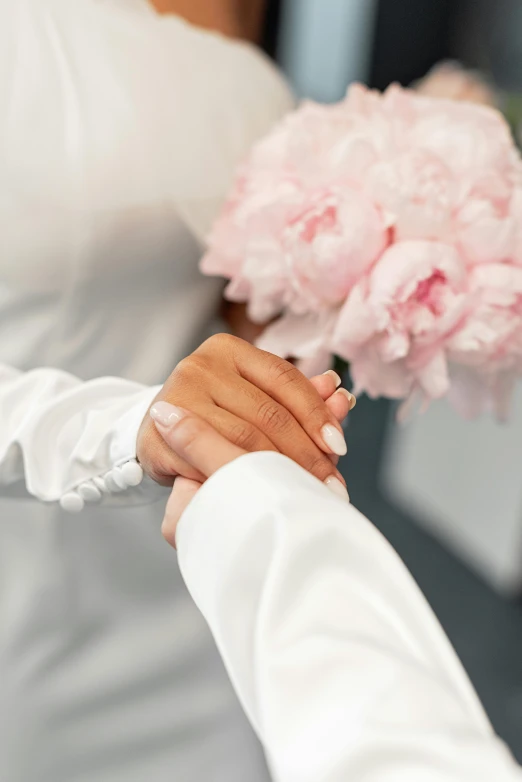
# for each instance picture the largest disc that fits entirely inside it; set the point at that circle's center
(257, 401)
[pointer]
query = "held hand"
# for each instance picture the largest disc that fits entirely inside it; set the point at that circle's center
(257, 401)
(206, 450)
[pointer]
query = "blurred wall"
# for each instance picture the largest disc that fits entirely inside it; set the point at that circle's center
(410, 37)
(488, 35)
(326, 44)
(462, 481)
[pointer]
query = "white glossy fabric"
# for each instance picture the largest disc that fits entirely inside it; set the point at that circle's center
(120, 132)
(337, 658)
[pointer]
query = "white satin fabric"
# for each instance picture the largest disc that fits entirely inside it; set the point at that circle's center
(120, 132)
(337, 658)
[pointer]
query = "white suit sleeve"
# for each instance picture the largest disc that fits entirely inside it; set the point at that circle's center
(337, 658)
(59, 434)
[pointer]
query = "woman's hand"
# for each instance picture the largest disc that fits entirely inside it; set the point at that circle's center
(207, 451)
(257, 401)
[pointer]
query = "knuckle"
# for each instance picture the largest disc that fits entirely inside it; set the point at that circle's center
(193, 365)
(155, 457)
(317, 412)
(319, 465)
(188, 432)
(245, 437)
(272, 417)
(283, 373)
(145, 447)
(218, 343)
(182, 368)
(159, 471)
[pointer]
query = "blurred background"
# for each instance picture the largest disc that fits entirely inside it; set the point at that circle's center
(447, 493)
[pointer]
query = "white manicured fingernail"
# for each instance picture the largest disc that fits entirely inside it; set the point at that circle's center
(165, 414)
(335, 485)
(335, 376)
(350, 397)
(334, 440)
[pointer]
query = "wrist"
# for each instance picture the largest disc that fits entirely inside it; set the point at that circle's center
(116, 475)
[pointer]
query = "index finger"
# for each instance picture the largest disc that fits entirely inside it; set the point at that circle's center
(196, 441)
(283, 382)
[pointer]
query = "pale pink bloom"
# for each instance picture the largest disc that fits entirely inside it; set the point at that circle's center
(376, 229)
(396, 322)
(487, 351)
(305, 337)
(451, 80)
(328, 245)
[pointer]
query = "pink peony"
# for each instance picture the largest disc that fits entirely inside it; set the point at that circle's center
(397, 321)
(450, 80)
(386, 229)
(488, 348)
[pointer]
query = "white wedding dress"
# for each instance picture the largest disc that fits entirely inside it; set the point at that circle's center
(120, 132)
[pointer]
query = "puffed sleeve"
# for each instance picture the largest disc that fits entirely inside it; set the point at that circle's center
(339, 662)
(70, 441)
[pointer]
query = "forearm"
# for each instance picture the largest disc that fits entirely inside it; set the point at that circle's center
(337, 658)
(58, 433)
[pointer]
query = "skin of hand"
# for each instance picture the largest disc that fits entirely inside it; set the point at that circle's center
(206, 450)
(235, 315)
(233, 18)
(451, 80)
(255, 400)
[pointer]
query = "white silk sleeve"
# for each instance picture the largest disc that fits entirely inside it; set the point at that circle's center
(58, 433)
(337, 658)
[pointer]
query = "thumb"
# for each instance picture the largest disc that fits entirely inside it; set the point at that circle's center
(196, 441)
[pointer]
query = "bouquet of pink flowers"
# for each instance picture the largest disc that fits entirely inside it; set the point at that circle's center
(385, 230)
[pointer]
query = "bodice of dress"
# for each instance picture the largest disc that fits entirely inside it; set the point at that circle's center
(121, 133)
